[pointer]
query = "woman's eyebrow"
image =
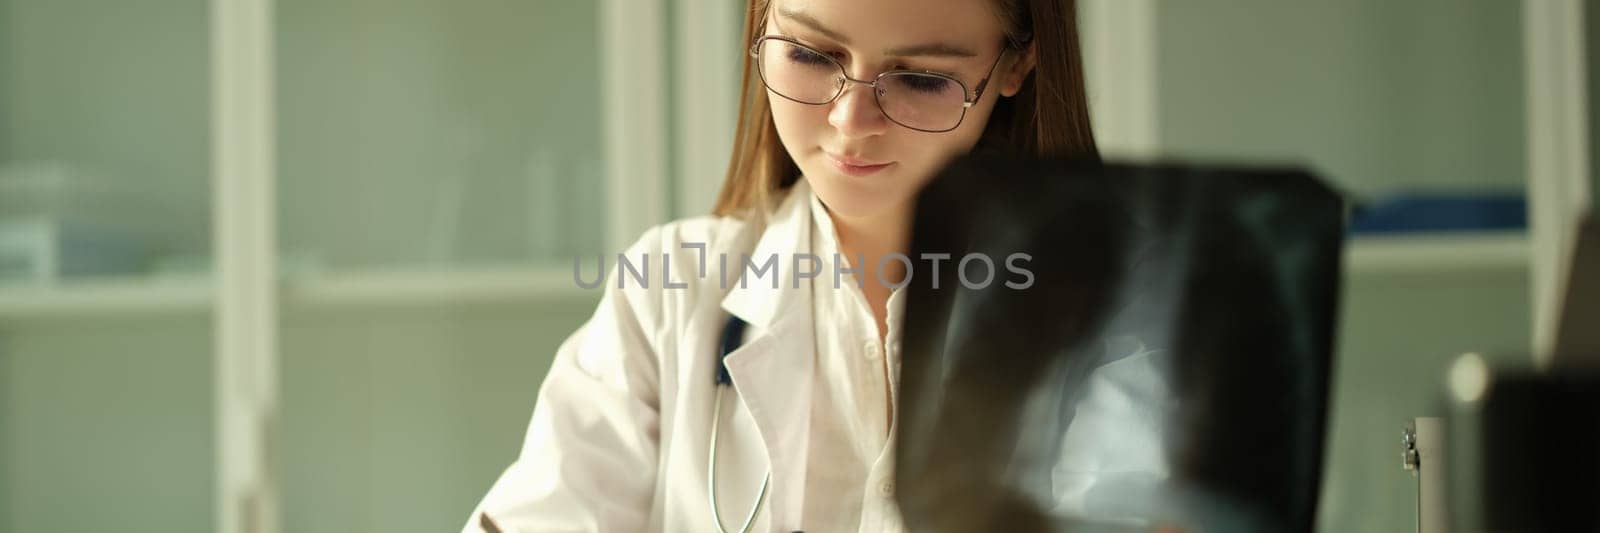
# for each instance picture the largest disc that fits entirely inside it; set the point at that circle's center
(924, 50)
(931, 49)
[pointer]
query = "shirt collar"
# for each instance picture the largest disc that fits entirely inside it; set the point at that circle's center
(826, 243)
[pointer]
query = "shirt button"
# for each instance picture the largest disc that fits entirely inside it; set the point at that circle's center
(871, 349)
(886, 489)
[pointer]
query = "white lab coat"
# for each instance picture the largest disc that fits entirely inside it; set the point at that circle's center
(618, 439)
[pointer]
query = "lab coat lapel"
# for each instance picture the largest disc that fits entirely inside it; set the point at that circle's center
(773, 372)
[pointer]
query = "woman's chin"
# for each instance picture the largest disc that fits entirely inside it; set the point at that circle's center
(853, 201)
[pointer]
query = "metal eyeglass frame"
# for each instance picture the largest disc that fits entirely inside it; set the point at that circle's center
(877, 93)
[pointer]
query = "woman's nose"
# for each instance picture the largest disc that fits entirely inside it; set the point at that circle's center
(856, 114)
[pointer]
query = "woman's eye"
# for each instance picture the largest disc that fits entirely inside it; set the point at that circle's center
(806, 57)
(927, 84)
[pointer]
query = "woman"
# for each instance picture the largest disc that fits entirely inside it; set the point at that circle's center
(848, 108)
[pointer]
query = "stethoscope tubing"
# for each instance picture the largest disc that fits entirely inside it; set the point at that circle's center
(732, 334)
(711, 474)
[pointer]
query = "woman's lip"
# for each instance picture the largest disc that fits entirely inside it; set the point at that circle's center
(855, 167)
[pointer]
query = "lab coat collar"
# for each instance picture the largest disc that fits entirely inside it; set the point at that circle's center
(787, 233)
(773, 373)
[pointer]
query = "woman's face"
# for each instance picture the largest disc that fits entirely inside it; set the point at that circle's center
(861, 164)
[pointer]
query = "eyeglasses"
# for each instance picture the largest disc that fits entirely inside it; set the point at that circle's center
(923, 101)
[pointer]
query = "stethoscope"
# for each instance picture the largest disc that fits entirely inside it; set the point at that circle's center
(732, 334)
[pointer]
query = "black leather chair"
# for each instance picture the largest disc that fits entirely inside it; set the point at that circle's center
(1224, 281)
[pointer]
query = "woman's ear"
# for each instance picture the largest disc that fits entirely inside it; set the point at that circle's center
(1019, 70)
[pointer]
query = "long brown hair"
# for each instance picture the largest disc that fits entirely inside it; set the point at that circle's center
(1048, 117)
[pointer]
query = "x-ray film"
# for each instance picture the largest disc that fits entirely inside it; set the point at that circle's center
(1152, 349)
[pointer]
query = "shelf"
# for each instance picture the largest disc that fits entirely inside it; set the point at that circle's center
(389, 289)
(1365, 257)
(105, 296)
(1467, 253)
(408, 288)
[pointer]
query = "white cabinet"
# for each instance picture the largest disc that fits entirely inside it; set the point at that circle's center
(359, 220)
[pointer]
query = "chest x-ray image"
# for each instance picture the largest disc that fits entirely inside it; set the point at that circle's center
(1162, 365)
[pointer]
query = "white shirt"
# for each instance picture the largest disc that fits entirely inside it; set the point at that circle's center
(850, 477)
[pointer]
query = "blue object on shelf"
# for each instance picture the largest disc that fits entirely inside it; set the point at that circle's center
(1461, 212)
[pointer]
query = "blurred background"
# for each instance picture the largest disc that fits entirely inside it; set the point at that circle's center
(326, 246)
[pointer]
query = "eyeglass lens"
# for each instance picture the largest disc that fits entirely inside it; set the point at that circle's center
(917, 101)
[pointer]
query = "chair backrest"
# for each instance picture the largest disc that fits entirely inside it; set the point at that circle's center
(1190, 306)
